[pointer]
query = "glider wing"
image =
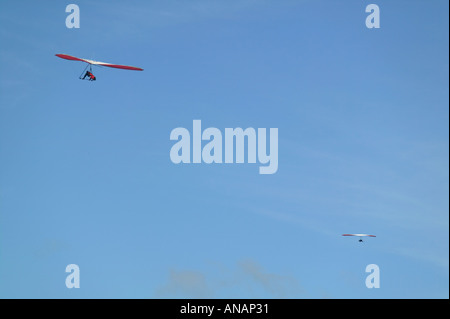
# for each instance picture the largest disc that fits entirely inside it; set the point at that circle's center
(359, 235)
(69, 57)
(117, 66)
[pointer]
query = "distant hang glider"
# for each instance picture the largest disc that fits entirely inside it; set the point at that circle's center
(359, 235)
(89, 74)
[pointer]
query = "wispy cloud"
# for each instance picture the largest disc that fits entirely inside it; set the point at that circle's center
(423, 254)
(248, 277)
(184, 284)
(280, 286)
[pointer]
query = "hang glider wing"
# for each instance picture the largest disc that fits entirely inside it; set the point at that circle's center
(359, 235)
(117, 66)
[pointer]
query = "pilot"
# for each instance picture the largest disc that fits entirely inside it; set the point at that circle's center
(90, 75)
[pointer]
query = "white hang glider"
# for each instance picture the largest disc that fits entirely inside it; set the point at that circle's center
(359, 235)
(89, 74)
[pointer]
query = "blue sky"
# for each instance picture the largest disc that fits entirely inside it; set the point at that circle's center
(86, 177)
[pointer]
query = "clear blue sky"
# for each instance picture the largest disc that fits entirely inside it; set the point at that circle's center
(86, 177)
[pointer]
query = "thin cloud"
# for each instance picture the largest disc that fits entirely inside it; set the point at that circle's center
(248, 276)
(184, 284)
(280, 286)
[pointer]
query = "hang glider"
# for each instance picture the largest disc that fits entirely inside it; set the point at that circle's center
(89, 74)
(359, 235)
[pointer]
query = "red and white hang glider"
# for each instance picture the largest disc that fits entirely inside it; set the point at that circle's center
(88, 74)
(359, 235)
